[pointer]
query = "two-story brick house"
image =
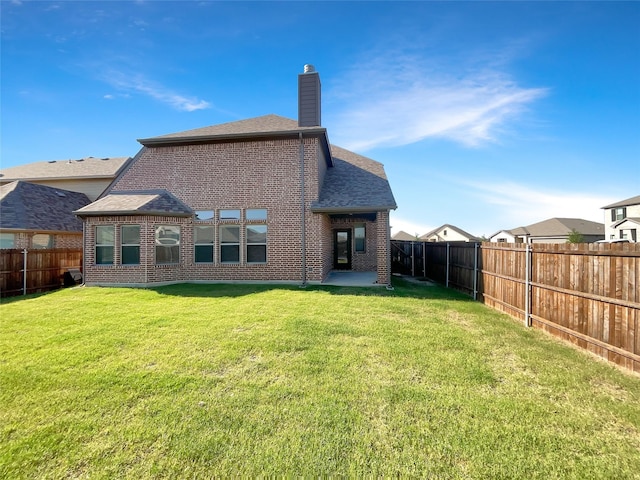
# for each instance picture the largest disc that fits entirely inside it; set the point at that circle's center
(266, 199)
(622, 220)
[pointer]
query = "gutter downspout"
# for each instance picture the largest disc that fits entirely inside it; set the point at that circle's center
(303, 219)
(389, 285)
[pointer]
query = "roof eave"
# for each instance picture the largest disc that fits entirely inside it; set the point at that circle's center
(379, 208)
(128, 213)
(159, 141)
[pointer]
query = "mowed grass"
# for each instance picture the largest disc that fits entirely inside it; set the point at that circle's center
(195, 381)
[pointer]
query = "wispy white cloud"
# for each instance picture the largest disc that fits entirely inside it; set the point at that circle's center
(522, 205)
(401, 99)
(132, 83)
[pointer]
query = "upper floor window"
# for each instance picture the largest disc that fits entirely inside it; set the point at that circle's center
(618, 214)
(130, 244)
(105, 241)
(167, 244)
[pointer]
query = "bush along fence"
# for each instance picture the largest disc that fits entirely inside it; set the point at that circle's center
(39, 270)
(587, 294)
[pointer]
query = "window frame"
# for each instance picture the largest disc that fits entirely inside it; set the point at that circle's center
(199, 246)
(158, 245)
(129, 246)
(104, 246)
(224, 245)
(363, 238)
(249, 244)
(50, 241)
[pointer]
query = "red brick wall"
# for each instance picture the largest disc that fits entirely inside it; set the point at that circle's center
(232, 175)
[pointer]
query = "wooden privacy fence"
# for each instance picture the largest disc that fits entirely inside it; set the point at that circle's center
(38, 270)
(587, 294)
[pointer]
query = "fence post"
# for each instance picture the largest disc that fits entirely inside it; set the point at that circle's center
(527, 285)
(475, 272)
(447, 277)
(413, 262)
(24, 271)
(424, 259)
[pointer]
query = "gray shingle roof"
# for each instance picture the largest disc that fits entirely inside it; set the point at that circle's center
(354, 183)
(560, 227)
(258, 126)
(450, 227)
(403, 236)
(624, 203)
(28, 206)
(89, 167)
(143, 202)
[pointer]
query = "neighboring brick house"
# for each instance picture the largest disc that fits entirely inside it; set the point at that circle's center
(37, 216)
(622, 220)
(263, 199)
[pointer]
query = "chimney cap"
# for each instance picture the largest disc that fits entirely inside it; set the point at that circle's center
(308, 68)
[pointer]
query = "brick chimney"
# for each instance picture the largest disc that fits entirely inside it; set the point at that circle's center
(309, 98)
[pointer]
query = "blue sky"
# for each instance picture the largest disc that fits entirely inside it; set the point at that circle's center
(486, 115)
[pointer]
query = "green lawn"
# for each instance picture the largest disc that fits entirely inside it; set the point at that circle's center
(193, 381)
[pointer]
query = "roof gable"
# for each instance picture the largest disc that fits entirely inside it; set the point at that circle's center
(564, 226)
(29, 206)
(354, 183)
(143, 202)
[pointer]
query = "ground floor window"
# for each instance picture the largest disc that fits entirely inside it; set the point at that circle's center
(167, 244)
(359, 238)
(229, 244)
(203, 244)
(42, 240)
(7, 240)
(256, 243)
(105, 242)
(130, 244)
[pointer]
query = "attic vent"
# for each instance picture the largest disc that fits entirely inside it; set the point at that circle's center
(51, 161)
(80, 160)
(308, 68)
(60, 194)
(107, 158)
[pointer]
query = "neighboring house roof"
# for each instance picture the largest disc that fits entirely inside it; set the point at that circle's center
(403, 236)
(29, 206)
(624, 203)
(450, 227)
(89, 167)
(559, 227)
(355, 183)
(143, 202)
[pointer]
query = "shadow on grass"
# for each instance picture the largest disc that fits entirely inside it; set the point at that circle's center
(402, 288)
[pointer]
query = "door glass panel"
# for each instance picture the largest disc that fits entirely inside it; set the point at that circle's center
(342, 250)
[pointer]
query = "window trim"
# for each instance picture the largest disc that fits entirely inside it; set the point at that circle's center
(202, 245)
(123, 245)
(111, 245)
(160, 245)
(255, 244)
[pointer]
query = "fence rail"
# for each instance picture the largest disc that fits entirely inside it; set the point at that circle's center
(586, 294)
(38, 270)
